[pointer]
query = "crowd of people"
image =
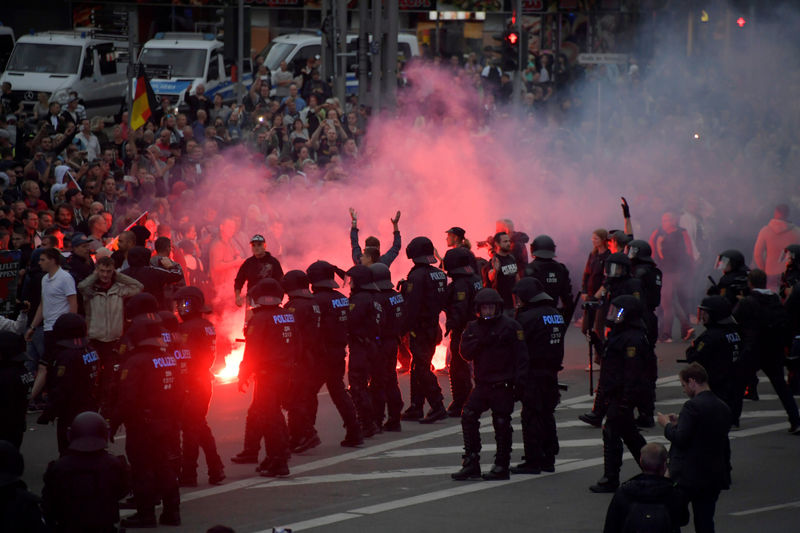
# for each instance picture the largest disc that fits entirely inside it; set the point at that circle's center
(98, 287)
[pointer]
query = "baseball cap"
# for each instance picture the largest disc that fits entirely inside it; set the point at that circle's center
(78, 239)
(458, 232)
(257, 238)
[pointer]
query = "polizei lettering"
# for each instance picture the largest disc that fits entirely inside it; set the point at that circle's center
(553, 320)
(340, 302)
(283, 319)
(89, 358)
(163, 362)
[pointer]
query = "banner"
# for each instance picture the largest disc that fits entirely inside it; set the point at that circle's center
(9, 275)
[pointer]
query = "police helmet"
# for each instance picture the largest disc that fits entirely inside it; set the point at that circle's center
(625, 309)
(791, 255)
(618, 265)
(11, 464)
(147, 330)
(718, 308)
(488, 296)
(88, 432)
(295, 283)
(381, 276)
(140, 304)
(320, 274)
(543, 247)
(69, 326)
(640, 250)
(457, 261)
(266, 292)
(530, 290)
(169, 320)
(12, 346)
(730, 261)
(190, 301)
(361, 277)
(420, 250)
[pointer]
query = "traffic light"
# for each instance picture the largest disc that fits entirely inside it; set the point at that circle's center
(741, 21)
(511, 45)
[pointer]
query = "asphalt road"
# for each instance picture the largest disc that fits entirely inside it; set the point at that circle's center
(401, 481)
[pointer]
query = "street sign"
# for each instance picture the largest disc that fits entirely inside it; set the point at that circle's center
(602, 59)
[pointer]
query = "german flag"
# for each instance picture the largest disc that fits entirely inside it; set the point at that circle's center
(144, 101)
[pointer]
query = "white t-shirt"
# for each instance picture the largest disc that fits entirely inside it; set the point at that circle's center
(55, 290)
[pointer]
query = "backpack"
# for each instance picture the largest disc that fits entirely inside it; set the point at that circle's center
(648, 517)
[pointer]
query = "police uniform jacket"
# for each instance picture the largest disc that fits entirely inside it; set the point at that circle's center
(650, 276)
(366, 317)
(497, 349)
(423, 292)
(394, 313)
(149, 386)
(731, 285)
(764, 325)
(14, 383)
(307, 313)
(459, 298)
(623, 376)
(717, 348)
(72, 380)
(335, 309)
(554, 277)
(544, 328)
(199, 336)
(272, 346)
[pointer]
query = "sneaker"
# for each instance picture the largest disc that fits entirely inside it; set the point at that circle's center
(434, 415)
(497, 473)
(526, 468)
(306, 443)
(139, 520)
(245, 458)
(170, 518)
(276, 468)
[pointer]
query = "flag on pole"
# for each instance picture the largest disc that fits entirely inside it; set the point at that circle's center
(144, 100)
(72, 183)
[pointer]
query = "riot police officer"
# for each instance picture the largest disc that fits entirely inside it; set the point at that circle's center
(496, 346)
(646, 271)
(69, 502)
(544, 328)
(73, 376)
(302, 435)
(718, 348)
(148, 404)
(622, 383)
(200, 338)
(271, 349)
(791, 276)
(364, 325)
(329, 360)
(733, 282)
(424, 291)
(554, 276)
(19, 508)
(458, 307)
(393, 307)
(15, 380)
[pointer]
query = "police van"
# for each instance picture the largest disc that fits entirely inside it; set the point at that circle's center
(57, 62)
(296, 48)
(6, 45)
(192, 59)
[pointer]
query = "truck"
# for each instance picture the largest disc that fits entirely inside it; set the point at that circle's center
(186, 60)
(56, 62)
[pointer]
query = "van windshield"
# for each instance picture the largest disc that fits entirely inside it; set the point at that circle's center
(277, 53)
(49, 58)
(186, 62)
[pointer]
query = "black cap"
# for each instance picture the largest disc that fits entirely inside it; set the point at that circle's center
(458, 232)
(79, 239)
(257, 238)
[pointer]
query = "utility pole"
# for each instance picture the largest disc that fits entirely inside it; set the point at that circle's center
(516, 98)
(132, 61)
(390, 53)
(363, 50)
(240, 53)
(376, 51)
(341, 49)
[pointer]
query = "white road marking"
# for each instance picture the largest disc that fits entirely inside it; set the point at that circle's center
(767, 509)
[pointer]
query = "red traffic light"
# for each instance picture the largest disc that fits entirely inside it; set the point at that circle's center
(741, 22)
(512, 38)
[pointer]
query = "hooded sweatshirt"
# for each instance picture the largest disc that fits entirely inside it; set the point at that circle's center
(772, 239)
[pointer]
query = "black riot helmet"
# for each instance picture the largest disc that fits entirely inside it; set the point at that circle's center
(381, 276)
(485, 297)
(715, 310)
(147, 330)
(11, 464)
(543, 247)
(190, 301)
(625, 309)
(320, 274)
(640, 250)
(530, 290)
(295, 283)
(791, 255)
(361, 278)
(169, 320)
(266, 292)
(12, 346)
(420, 250)
(457, 261)
(618, 266)
(140, 304)
(69, 326)
(88, 432)
(730, 261)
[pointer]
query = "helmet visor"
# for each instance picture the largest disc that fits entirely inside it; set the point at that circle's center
(185, 306)
(614, 270)
(487, 310)
(633, 252)
(722, 263)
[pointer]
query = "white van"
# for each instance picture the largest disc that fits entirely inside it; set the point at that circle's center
(296, 48)
(6, 45)
(195, 58)
(56, 62)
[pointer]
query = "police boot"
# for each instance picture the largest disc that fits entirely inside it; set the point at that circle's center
(245, 457)
(591, 418)
(307, 442)
(435, 414)
(216, 475)
(605, 484)
(353, 438)
(392, 424)
(368, 429)
(171, 517)
(548, 463)
(140, 519)
(526, 467)
(497, 473)
(276, 468)
(470, 468)
(454, 409)
(414, 412)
